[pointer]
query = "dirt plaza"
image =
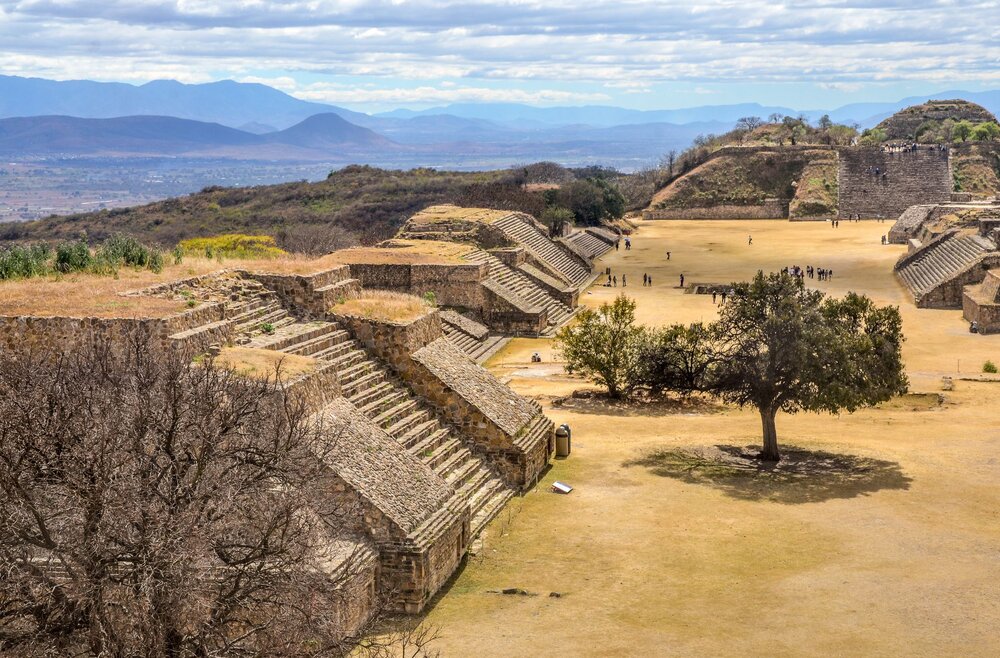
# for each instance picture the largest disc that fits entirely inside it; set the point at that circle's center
(878, 535)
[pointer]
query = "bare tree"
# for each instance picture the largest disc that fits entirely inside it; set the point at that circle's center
(150, 506)
(749, 124)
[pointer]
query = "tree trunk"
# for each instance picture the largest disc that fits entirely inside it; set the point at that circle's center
(770, 452)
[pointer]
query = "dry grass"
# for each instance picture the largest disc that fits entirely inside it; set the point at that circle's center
(261, 364)
(384, 305)
(405, 252)
(448, 212)
(93, 295)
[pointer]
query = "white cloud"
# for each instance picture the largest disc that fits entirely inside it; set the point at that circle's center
(622, 46)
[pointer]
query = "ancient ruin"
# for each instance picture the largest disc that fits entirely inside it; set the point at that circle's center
(951, 246)
(494, 273)
(424, 444)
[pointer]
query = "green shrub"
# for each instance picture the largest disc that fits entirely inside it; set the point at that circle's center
(430, 298)
(990, 367)
(24, 262)
(73, 257)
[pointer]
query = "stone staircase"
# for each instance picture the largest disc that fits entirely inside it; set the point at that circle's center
(544, 249)
(471, 337)
(589, 244)
(523, 287)
(374, 390)
(940, 260)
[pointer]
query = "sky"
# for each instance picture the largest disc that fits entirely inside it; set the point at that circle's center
(382, 54)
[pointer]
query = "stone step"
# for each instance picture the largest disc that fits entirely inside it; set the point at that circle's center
(406, 423)
(311, 346)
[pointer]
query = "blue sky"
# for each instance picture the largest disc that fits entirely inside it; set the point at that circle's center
(382, 54)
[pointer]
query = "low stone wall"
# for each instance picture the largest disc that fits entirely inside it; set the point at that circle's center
(56, 334)
(568, 295)
(458, 285)
(770, 209)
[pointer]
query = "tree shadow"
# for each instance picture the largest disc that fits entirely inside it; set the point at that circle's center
(802, 475)
(596, 402)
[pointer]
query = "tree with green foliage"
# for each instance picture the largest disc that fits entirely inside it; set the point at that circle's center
(780, 347)
(986, 132)
(605, 346)
(591, 200)
(677, 358)
(555, 218)
(873, 137)
(961, 131)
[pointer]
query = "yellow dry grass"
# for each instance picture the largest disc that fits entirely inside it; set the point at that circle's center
(405, 252)
(93, 295)
(449, 212)
(897, 556)
(384, 305)
(263, 364)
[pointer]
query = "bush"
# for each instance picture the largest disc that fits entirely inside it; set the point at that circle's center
(121, 250)
(990, 367)
(24, 262)
(73, 257)
(232, 245)
(605, 346)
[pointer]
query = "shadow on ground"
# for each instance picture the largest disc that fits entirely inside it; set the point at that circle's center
(594, 402)
(802, 476)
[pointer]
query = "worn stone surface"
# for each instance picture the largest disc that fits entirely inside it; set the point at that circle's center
(380, 469)
(878, 184)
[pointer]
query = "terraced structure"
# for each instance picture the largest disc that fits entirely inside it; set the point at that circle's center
(421, 447)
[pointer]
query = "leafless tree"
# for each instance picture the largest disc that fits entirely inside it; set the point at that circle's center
(749, 124)
(151, 506)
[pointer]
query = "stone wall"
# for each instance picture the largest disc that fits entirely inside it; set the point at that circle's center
(309, 294)
(877, 184)
(65, 333)
(457, 285)
(951, 293)
(981, 303)
(770, 209)
(510, 314)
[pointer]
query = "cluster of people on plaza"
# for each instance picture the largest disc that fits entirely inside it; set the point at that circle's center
(819, 273)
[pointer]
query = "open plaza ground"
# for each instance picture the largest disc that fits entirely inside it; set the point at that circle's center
(878, 535)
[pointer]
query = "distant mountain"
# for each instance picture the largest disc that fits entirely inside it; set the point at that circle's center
(326, 130)
(146, 134)
(317, 137)
(226, 102)
(591, 115)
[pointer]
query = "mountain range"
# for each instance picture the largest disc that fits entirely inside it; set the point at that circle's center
(248, 121)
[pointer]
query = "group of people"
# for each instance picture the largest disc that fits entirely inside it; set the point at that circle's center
(628, 244)
(819, 273)
(900, 148)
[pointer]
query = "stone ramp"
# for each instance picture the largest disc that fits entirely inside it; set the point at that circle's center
(374, 390)
(544, 249)
(939, 263)
(522, 287)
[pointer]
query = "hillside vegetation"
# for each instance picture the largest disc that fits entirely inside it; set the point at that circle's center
(936, 122)
(354, 205)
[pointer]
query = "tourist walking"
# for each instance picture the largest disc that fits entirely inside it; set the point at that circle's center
(749, 239)
(668, 255)
(624, 282)
(615, 279)
(713, 296)
(682, 281)
(644, 279)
